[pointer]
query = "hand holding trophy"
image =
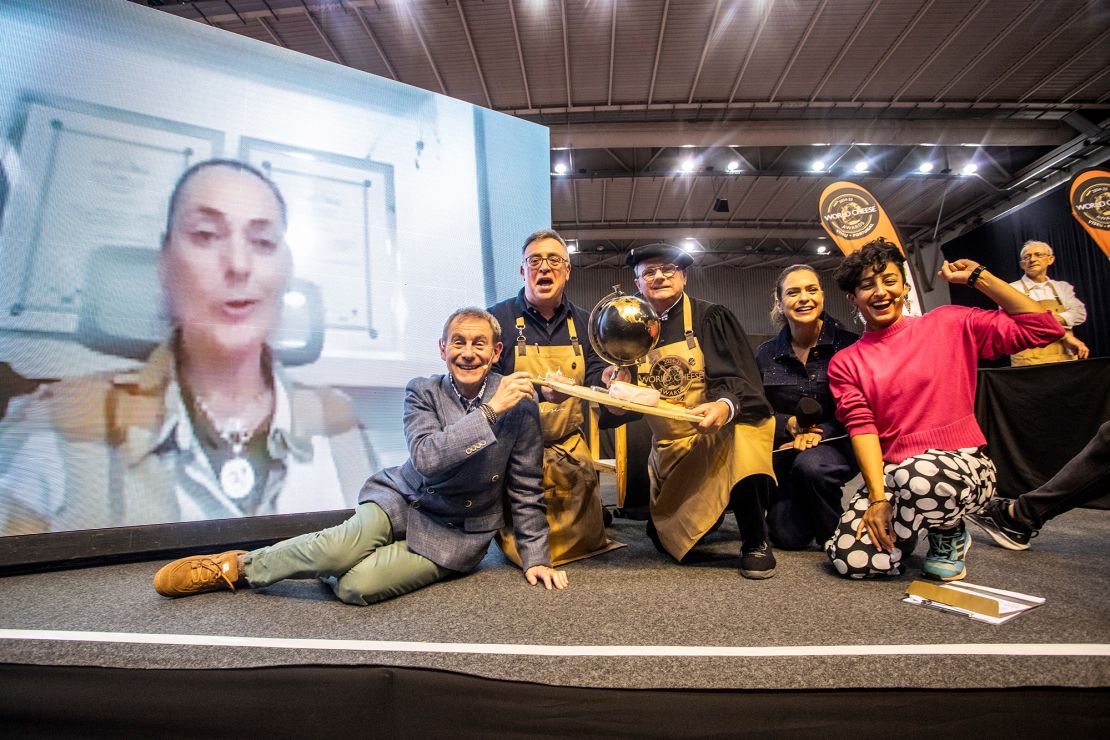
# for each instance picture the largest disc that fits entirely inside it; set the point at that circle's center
(623, 329)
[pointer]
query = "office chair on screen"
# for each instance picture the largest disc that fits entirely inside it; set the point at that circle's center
(122, 310)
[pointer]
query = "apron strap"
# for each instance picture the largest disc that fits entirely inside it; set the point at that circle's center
(521, 342)
(688, 322)
(1050, 287)
(1054, 293)
(573, 334)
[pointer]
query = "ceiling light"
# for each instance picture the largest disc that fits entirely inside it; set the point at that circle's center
(690, 244)
(925, 167)
(732, 166)
(560, 168)
(818, 165)
(969, 169)
(860, 166)
(688, 165)
(572, 245)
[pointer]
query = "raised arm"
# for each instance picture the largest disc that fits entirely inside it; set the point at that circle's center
(1026, 324)
(1010, 300)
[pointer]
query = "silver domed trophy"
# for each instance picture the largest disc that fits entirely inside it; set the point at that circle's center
(623, 328)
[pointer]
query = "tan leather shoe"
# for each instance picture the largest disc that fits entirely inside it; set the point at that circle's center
(199, 573)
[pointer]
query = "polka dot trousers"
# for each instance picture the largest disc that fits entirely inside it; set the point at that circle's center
(932, 490)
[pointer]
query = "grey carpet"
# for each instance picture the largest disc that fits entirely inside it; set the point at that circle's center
(631, 596)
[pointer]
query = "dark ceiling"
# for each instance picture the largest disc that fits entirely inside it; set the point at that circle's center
(705, 119)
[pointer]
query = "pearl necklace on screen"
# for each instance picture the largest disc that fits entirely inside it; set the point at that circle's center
(237, 474)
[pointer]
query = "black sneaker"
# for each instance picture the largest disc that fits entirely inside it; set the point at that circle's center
(757, 562)
(995, 520)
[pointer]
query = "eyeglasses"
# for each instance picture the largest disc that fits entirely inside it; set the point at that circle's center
(1029, 256)
(553, 260)
(666, 271)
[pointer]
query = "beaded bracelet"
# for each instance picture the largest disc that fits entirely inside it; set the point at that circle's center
(489, 413)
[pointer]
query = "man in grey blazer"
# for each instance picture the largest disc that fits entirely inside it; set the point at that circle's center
(474, 443)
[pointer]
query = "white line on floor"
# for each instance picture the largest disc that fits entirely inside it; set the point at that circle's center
(390, 646)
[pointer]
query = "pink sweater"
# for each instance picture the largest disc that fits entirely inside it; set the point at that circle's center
(913, 383)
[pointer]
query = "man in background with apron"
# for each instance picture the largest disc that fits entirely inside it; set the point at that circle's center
(703, 362)
(1053, 295)
(546, 334)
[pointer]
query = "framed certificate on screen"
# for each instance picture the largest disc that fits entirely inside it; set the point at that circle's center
(90, 176)
(342, 233)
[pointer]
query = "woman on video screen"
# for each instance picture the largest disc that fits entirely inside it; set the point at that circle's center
(208, 427)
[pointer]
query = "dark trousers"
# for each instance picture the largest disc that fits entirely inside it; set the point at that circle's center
(807, 505)
(1084, 478)
(748, 503)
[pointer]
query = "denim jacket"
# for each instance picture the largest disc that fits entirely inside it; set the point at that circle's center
(786, 379)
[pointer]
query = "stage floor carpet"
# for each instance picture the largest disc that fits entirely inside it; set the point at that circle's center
(632, 619)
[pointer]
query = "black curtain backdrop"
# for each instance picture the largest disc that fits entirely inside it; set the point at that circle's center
(1079, 261)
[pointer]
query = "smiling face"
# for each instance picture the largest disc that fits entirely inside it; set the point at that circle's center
(544, 284)
(224, 262)
(660, 291)
(878, 297)
(802, 299)
(469, 351)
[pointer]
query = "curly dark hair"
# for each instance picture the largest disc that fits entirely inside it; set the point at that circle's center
(871, 258)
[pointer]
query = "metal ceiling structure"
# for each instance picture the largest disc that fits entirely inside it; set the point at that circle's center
(706, 119)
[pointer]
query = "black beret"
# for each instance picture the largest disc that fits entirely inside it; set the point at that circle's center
(676, 255)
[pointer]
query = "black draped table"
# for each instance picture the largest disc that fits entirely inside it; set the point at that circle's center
(1036, 418)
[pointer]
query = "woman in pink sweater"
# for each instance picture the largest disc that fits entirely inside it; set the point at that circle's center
(906, 393)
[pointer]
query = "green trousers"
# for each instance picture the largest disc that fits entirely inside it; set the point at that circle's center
(359, 559)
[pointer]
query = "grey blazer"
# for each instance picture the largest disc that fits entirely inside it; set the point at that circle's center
(448, 500)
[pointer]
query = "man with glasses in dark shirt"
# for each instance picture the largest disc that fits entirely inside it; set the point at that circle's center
(546, 334)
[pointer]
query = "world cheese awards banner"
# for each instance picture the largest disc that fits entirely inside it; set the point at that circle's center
(852, 216)
(1089, 196)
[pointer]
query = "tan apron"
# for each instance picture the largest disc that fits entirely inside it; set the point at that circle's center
(1055, 352)
(693, 474)
(570, 486)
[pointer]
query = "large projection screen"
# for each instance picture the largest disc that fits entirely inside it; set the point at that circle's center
(395, 206)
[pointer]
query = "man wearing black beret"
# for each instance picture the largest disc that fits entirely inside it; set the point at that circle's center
(703, 361)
